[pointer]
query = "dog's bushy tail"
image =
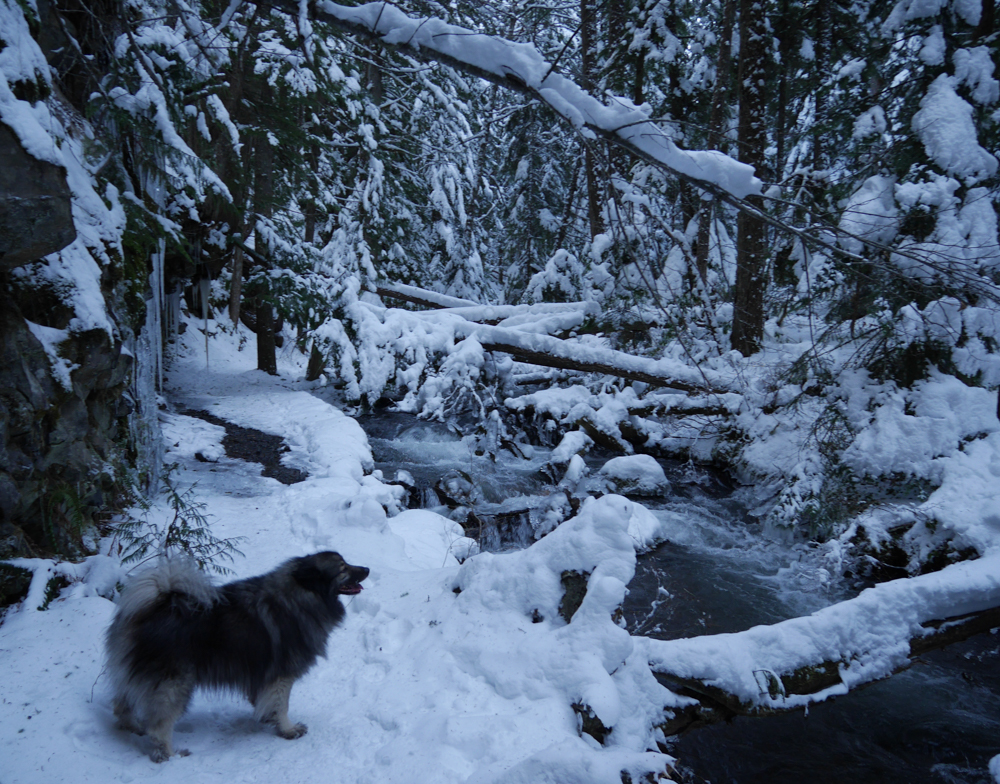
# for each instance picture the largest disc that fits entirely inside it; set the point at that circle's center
(170, 575)
(133, 678)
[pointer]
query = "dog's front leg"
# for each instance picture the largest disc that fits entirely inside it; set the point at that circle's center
(271, 707)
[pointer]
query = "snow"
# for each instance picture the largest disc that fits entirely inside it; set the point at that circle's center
(467, 686)
(186, 436)
(911, 429)
(974, 67)
(453, 663)
(871, 212)
(421, 680)
(575, 442)
(944, 125)
(639, 474)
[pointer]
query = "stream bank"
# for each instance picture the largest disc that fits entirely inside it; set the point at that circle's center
(717, 572)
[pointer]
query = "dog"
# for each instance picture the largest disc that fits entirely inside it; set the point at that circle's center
(174, 631)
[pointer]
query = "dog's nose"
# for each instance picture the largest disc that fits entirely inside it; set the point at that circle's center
(364, 573)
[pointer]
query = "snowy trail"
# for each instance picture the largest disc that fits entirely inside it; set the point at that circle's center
(421, 684)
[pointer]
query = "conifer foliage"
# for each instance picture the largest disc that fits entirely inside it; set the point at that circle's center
(314, 171)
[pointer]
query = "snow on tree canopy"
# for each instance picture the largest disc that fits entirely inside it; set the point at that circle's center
(944, 125)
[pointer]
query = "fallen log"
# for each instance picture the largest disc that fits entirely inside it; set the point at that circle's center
(547, 351)
(565, 316)
(790, 665)
(421, 297)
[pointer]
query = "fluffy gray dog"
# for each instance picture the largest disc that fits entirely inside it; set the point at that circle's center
(174, 630)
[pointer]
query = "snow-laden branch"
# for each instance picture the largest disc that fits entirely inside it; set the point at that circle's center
(520, 67)
(792, 664)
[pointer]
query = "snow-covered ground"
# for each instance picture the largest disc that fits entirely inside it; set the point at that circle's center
(422, 683)
(442, 672)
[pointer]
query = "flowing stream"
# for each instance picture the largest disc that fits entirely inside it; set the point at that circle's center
(938, 723)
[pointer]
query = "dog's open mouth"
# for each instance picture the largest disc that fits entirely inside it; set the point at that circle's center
(351, 588)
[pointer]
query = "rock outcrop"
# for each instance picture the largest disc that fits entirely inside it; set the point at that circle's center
(56, 439)
(35, 214)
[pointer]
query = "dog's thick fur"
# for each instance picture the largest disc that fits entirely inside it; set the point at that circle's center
(174, 630)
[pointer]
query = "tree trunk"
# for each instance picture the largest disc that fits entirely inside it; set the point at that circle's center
(822, 64)
(588, 47)
(266, 354)
(751, 239)
(263, 194)
(987, 19)
(785, 40)
(236, 286)
(316, 365)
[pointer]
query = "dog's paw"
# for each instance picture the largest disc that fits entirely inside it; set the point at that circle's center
(159, 754)
(293, 732)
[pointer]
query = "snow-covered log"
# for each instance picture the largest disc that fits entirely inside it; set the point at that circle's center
(521, 67)
(795, 663)
(524, 337)
(483, 314)
(548, 351)
(422, 297)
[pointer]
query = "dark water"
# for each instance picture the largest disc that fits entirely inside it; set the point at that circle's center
(937, 723)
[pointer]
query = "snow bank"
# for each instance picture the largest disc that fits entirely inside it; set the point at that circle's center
(533, 652)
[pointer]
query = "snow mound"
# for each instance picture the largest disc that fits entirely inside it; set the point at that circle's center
(636, 474)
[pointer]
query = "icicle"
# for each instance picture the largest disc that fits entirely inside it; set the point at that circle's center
(157, 306)
(174, 310)
(147, 380)
(204, 289)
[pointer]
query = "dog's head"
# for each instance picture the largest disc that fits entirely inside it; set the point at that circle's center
(327, 573)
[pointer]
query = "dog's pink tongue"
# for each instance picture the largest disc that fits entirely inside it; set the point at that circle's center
(352, 588)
